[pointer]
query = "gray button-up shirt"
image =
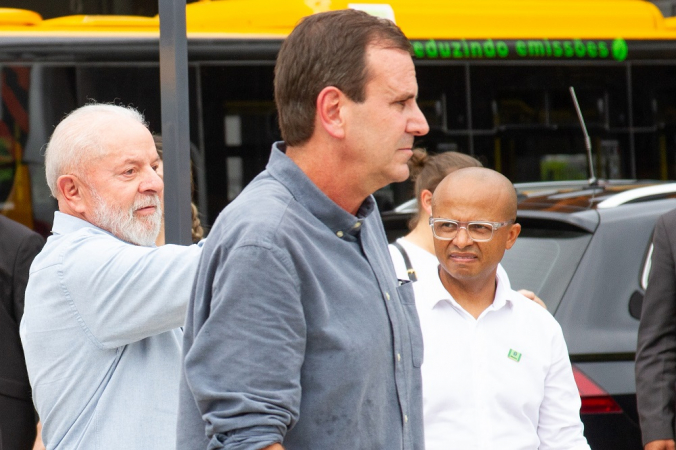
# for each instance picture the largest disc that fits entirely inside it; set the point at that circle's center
(298, 331)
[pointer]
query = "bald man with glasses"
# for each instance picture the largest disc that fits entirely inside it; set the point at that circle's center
(496, 372)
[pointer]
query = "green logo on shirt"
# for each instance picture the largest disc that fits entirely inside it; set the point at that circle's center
(513, 354)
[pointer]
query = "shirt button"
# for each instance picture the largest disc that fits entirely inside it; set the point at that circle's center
(387, 295)
(357, 225)
(398, 356)
(405, 418)
(339, 234)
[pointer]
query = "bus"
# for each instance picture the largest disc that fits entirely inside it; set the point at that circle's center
(493, 75)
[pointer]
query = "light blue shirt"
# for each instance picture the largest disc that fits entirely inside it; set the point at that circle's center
(102, 340)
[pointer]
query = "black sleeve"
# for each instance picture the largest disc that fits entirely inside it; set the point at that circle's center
(656, 350)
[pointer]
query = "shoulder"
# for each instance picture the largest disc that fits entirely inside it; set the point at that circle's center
(14, 231)
(666, 222)
(255, 217)
(535, 315)
(669, 216)
(15, 237)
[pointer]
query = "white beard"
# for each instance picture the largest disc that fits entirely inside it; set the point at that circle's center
(123, 224)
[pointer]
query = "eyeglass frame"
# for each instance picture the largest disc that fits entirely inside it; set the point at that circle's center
(459, 224)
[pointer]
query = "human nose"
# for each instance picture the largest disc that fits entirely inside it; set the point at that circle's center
(418, 125)
(151, 182)
(462, 238)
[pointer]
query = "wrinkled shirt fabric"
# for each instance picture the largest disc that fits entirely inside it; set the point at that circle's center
(101, 335)
(298, 331)
(500, 381)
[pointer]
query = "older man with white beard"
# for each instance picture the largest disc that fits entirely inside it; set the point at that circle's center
(104, 305)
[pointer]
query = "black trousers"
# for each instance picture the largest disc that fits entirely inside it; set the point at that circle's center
(17, 424)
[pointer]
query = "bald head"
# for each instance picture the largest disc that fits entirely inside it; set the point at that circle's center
(481, 187)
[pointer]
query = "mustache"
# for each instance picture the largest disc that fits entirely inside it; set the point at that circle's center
(146, 200)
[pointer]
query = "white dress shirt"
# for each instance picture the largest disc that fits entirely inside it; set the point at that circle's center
(502, 381)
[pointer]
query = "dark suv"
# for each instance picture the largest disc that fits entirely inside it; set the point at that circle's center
(585, 250)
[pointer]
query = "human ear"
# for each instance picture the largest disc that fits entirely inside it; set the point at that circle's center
(426, 201)
(514, 231)
(70, 190)
(330, 102)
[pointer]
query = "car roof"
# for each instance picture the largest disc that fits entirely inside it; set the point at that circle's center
(573, 204)
(572, 197)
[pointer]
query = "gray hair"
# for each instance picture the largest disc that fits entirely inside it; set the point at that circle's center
(77, 139)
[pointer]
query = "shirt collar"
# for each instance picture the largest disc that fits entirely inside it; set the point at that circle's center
(65, 224)
(437, 293)
(308, 195)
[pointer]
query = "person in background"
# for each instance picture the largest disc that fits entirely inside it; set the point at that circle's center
(496, 373)
(197, 232)
(413, 255)
(298, 335)
(18, 247)
(656, 349)
(104, 306)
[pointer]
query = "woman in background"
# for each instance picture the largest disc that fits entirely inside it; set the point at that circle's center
(197, 230)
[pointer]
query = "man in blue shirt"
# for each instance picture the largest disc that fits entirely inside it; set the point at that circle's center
(298, 335)
(100, 328)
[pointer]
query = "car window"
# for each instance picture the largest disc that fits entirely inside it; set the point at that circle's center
(544, 261)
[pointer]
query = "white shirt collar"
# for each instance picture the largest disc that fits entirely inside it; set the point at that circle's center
(436, 292)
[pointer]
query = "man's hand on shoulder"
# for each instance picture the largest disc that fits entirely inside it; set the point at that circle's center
(531, 295)
(274, 447)
(662, 444)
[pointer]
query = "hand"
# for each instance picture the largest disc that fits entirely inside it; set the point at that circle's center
(662, 444)
(274, 447)
(531, 295)
(38, 445)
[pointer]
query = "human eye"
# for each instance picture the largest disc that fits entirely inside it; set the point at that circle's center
(446, 226)
(482, 228)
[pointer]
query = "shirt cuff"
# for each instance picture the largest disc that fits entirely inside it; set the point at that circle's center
(253, 438)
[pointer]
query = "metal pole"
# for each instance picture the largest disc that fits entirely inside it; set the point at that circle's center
(175, 121)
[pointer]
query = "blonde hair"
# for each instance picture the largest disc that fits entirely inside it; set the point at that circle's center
(197, 231)
(427, 171)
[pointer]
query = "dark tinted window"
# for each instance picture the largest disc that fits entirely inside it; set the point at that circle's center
(544, 261)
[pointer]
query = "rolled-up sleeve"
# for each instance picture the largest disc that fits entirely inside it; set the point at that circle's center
(251, 330)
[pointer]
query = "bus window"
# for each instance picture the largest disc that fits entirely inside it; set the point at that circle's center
(526, 125)
(240, 125)
(654, 107)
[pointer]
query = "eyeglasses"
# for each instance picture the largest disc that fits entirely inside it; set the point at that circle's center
(447, 229)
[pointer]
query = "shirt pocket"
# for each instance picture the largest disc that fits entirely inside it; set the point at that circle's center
(405, 292)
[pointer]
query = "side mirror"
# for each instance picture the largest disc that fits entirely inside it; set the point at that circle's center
(635, 304)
